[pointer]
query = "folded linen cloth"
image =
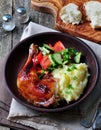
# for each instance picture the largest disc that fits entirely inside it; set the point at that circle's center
(69, 120)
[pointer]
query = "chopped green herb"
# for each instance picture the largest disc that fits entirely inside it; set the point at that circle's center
(75, 77)
(42, 74)
(70, 55)
(72, 51)
(68, 92)
(51, 68)
(70, 86)
(69, 89)
(64, 52)
(71, 68)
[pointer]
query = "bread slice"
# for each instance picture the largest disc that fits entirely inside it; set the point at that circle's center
(71, 14)
(93, 12)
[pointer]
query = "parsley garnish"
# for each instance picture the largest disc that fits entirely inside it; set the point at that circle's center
(75, 77)
(73, 67)
(69, 89)
(70, 86)
(42, 74)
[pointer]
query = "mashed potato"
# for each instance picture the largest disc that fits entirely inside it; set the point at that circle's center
(72, 80)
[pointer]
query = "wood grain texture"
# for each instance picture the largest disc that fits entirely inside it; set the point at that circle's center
(5, 39)
(53, 7)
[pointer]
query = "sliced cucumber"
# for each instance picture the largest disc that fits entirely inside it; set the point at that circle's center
(44, 50)
(78, 57)
(51, 59)
(47, 47)
(57, 58)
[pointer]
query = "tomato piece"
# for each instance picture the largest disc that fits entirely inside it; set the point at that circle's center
(39, 70)
(58, 46)
(39, 56)
(51, 46)
(45, 62)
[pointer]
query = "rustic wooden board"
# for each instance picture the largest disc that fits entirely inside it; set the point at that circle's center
(83, 30)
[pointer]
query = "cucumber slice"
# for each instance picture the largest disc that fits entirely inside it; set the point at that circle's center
(47, 47)
(51, 59)
(57, 58)
(44, 50)
(78, 57)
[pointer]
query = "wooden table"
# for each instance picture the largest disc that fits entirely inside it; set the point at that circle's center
(10, 39)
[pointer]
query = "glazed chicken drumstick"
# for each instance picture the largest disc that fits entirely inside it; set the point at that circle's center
(40, 92)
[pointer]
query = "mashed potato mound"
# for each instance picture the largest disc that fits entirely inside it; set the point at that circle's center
(72, 80)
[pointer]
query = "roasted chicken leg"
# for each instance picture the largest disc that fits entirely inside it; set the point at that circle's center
(40, 92)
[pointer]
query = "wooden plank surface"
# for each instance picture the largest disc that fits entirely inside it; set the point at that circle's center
(7, 41)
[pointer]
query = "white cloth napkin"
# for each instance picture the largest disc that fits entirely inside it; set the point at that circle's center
(43, 121)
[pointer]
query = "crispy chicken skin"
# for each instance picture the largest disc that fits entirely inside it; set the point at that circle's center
(40, 92)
